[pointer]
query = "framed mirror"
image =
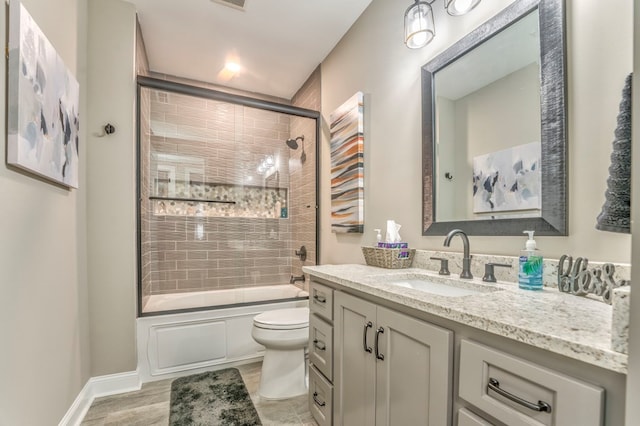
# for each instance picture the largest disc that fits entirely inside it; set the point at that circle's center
(494, 141)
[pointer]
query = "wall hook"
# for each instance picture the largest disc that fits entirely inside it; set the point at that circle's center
(449, 176)
(108, 129)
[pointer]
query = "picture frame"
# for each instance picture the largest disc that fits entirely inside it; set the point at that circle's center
(346, 125)
(43, 104)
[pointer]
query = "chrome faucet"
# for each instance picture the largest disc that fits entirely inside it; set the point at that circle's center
(466, 259)
(295, 279)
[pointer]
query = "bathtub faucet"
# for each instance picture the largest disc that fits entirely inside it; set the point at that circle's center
(295, 279)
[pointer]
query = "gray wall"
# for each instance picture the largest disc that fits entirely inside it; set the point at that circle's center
(111, 177)
(44, 361)
(389, 75)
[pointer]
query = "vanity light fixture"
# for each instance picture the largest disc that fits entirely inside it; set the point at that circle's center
(419, 28)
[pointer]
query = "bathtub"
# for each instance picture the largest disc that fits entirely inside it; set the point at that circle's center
(175, 344)
(201, 299)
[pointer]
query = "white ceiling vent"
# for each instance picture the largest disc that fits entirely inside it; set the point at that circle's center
(236, 4)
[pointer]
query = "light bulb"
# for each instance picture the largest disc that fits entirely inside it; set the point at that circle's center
(460, 7)
(233, 67)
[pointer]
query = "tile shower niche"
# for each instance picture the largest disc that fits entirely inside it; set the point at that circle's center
(209, 199)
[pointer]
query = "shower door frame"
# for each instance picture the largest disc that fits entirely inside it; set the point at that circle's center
(216, 95)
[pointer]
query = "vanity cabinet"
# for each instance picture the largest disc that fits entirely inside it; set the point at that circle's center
(389, 368)
(321, 353)
(520, 393)
(390, 357)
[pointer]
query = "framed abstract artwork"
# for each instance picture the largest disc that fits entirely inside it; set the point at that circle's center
(347, 166)
(43, 101)
(508, 180)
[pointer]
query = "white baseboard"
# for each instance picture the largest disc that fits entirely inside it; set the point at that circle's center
(99, 386)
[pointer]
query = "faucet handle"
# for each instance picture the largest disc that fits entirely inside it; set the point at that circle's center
(488, 271)
(444, 265)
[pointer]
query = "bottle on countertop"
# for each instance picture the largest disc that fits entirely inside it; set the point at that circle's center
(378, 237)
(530, 270)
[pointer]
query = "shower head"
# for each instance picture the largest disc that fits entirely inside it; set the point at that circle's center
(293, 143)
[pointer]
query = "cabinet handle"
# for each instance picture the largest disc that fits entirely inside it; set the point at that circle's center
(367, 326)
(317, 401)
(541, 406)
(320, 299)
(319, 347)
(378, 333)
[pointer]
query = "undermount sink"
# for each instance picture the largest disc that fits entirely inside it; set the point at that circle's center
(441, 286)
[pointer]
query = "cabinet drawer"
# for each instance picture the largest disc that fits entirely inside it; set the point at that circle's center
(321, 300)
(321, 345)
(467, 418)
(493, 381)
(320, 398)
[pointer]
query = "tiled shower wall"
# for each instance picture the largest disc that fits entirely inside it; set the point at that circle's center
(303, 176)
(210, 141)
(225, 142)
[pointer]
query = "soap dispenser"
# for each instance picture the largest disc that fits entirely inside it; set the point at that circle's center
(530, 271)
(378, 237)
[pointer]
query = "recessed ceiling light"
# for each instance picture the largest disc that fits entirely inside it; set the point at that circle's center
(230, 70)
(233, 67)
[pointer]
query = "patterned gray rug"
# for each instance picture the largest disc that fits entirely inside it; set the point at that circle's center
(212, 398)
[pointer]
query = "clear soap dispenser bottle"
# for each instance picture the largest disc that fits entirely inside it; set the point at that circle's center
(530, 271)
(378, 237)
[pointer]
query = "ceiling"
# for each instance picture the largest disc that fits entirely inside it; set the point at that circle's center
(278, 43)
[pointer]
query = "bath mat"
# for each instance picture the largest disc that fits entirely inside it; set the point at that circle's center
(212, 398)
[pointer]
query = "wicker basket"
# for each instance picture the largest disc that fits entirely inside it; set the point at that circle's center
(387, 258)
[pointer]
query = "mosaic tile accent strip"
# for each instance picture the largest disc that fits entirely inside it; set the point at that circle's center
(204, 199)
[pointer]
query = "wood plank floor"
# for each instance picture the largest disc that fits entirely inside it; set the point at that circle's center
(150, 405)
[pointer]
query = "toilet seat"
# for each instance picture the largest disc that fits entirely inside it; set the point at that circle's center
(283, 319)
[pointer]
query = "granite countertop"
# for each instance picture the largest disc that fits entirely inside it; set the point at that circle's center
(579, 328)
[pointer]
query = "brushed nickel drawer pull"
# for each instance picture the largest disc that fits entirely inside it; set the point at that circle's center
(367, 348)
(319, 347)
(317, 401)
(541, 406)
(378, 333)
(320, 299)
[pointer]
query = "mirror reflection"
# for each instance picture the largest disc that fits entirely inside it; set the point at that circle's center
(487, 128)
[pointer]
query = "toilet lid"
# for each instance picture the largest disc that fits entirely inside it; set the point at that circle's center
(283, 319)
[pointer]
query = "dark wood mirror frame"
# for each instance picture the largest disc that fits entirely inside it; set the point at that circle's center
(553, 218)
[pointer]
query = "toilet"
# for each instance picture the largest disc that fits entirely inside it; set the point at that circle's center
(284, 333)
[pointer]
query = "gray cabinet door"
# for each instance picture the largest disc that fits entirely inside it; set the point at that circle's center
(414, 376)
(354, 367)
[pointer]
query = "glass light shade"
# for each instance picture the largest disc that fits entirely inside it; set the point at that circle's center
(460, 7)
(419, 28)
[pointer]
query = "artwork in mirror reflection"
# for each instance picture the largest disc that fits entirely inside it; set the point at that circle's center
(508, 180)
(487, 110)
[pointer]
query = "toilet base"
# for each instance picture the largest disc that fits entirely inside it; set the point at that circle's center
(283, 374)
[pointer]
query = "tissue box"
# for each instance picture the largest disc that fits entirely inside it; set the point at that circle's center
(393, 245)
(390, 258)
